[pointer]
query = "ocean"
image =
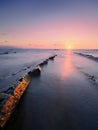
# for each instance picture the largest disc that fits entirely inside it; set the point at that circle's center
(15, 63)
(65, 96)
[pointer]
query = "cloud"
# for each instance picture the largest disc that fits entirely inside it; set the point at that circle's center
(3, 42)
(3, 34)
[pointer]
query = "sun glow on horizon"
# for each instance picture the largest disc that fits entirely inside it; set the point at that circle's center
(69, 47)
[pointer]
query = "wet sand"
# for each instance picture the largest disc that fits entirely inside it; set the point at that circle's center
(60, 99)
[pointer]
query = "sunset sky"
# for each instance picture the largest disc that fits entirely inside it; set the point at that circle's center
(49, 23)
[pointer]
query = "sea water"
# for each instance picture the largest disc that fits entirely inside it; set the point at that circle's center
(16, 62)
(63, 97)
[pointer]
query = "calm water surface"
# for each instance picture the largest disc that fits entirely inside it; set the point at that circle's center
(62, 98)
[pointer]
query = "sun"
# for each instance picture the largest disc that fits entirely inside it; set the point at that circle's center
(69, 47)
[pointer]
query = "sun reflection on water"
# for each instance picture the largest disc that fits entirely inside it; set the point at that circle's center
(67, 65)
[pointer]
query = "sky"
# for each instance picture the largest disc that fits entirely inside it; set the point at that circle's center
(55, 24)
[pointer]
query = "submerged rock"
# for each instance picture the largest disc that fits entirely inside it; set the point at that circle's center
(92, 77)
(88, 56)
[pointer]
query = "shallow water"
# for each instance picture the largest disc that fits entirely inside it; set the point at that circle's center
(62, 98)
(15, 65)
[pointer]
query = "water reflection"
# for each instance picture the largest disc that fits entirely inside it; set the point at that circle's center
(66, 68)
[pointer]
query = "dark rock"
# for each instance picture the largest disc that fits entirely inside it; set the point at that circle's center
(28, 67)
(24, 68)
(88, 56)
(30, 73)
(41, 64)
(10, 90)
(93, 78)
(1, 99)
(45, 62)
(14, 74)
(52, 57)
(35, 72)
(5, 52)
(20, 79)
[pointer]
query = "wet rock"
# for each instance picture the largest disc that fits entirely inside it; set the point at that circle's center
(92, 77)
(24, 68)
(28, 67)
(35, 72)
(5, 52)
(10, 90)
(52, 57)
(41, 64)
(45, 62)
(14, 74)
(88, 56)
(30, 73)
(3, 98)
(20, 79)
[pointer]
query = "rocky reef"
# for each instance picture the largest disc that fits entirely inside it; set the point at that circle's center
(88, 56)
(10, 97)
